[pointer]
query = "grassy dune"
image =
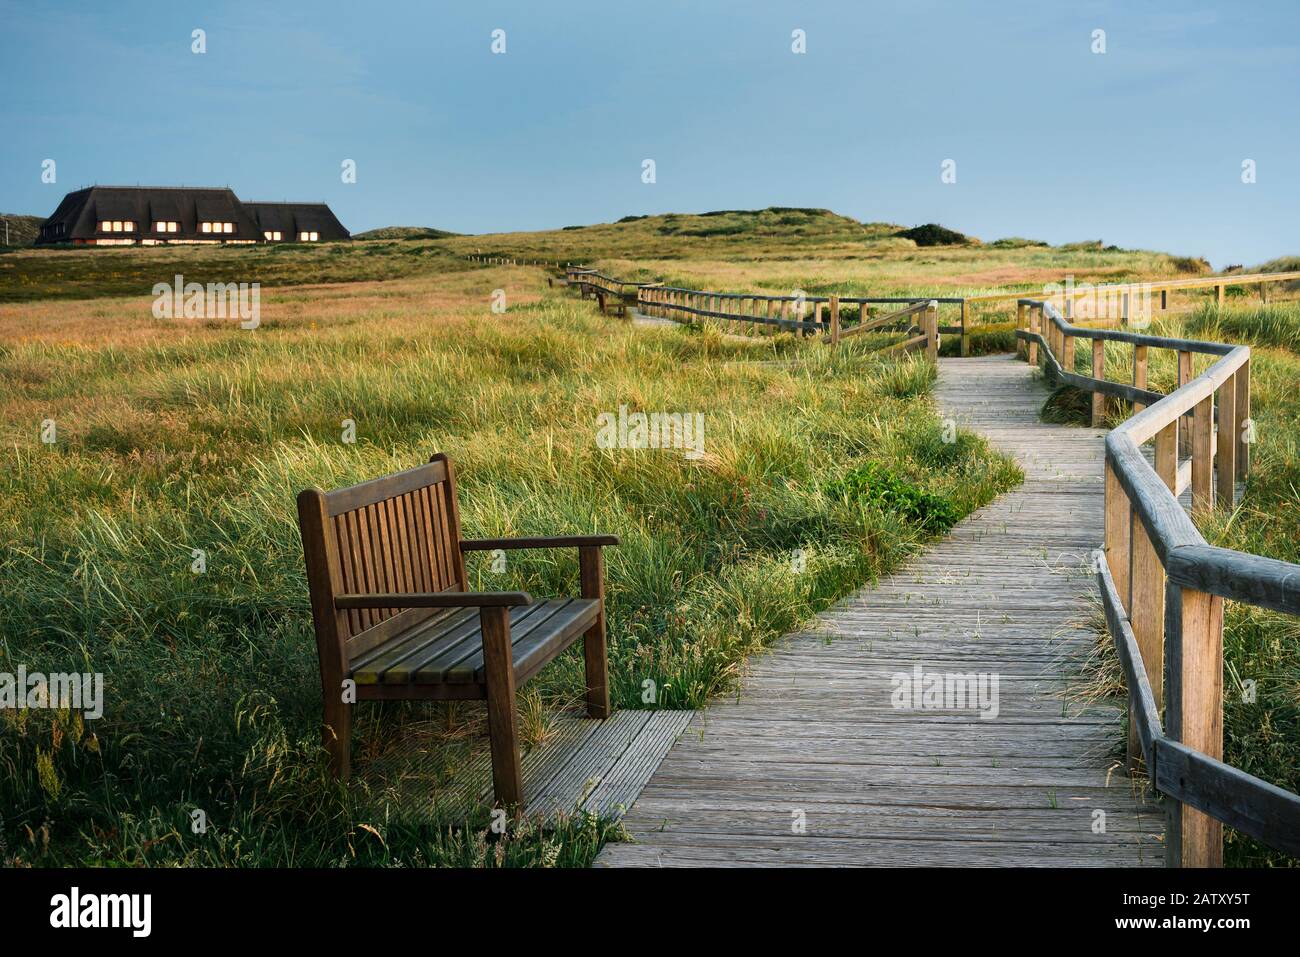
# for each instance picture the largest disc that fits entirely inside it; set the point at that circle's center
(173, 436)
(774, 250)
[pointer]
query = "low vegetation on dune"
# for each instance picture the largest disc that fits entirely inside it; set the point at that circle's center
(29, 275)
(20, 231)
(174, 436)
(932, 234)
(404, 232)
(774, 250)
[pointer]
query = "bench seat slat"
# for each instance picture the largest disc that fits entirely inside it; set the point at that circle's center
(532, 651)
(449, 646)
(388, 653)
(458, 663)
(449, 649)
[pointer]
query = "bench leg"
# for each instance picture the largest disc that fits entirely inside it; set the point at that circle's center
(338, 733)
(503, 725)
(591, 561)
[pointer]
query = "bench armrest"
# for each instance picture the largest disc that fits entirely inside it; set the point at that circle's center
(557, 541)
(442, 599)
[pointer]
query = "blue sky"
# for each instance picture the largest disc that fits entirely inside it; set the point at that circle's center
(1140, 146)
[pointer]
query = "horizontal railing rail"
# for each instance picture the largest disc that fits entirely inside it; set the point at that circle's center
(806, 315)
(1118, 302)
(1163, 586)
(1110, 291)
(791, 313)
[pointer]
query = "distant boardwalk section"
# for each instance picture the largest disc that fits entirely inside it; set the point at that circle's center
(157, 215)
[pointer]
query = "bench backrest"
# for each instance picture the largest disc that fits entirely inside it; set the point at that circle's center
(399, 533)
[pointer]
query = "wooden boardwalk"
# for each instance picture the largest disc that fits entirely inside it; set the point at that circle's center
(814, 765)
(583, 765)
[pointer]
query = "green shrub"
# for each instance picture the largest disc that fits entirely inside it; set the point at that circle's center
(881, 488)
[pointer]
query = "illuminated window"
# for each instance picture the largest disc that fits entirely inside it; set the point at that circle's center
(117, 225)
(105, 226)
(206, 228)
(128, 226)
(273, 235)
(165, 227)
(306, 237)
(227, 227)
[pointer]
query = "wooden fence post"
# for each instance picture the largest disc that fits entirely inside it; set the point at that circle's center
(1035, 321)
(1147, 589)
(1139, 370)
(1226, 447)
(835, 320)
(1067, 352)
(931, 326)
(1118, 536)
(1184, 377)
(1022, 322)
(1098, 372)
(1194, 640)
(1202, 454)
(1244, 426)
(965, 333)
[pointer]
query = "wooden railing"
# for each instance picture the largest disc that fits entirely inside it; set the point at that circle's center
(515, 261)
(611, 294)
(1116, 303)
(806, 315)
(1163, 586)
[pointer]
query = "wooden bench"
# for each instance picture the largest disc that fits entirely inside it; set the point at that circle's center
(394, 615)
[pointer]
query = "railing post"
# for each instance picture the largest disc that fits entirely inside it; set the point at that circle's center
(1098, 372)
(1184, 377)
(1035, 321)
(1147, 584)
(1218, 292)
(1244, 426)
(1194, 639)
(1139, 369)
(1228, 441)
(835, 320)
(1118, 541)
(931, 326)
(817, 315)
(1067, 351)
(1022, 322)
(1203, 455)
(965, 333)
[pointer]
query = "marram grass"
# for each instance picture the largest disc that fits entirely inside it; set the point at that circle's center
(173, 437)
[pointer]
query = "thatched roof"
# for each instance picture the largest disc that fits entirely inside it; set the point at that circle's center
(80, 214)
